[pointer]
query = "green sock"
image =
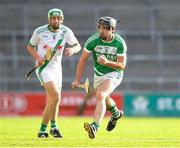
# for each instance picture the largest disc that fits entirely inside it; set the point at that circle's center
(43, 128)
(114, 111)
(95, 125)
(53, 124)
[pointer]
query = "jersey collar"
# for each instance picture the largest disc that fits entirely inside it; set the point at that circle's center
(50, 29)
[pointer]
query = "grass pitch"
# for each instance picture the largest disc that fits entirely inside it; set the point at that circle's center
(130, 132)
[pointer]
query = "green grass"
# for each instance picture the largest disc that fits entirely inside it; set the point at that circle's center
(139, 132)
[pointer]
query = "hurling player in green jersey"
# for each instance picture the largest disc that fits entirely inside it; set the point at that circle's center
(109, 55)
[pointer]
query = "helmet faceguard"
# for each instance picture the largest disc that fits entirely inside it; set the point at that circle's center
(107, 21)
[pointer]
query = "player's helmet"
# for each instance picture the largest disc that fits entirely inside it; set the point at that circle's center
(107, 21)
(55, 12)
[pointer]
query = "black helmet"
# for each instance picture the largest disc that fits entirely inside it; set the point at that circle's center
(107, 21)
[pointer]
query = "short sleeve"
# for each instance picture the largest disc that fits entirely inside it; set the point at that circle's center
(90, 44)
(71, 39)
(122, 48)
(34, 39)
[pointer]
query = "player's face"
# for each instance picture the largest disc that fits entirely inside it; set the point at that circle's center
(55, 21)
(105, 32)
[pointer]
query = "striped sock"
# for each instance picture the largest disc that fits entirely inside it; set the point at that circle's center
(43, 128)
(114, 111)
(95, 125)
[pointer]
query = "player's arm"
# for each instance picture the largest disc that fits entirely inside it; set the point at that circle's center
(81, 65)
(119, 64)
(75, 47)
(32, 48)
(35, 55)
(80, 68)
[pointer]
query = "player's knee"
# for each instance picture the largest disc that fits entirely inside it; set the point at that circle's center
(55, 97)
(100, 95)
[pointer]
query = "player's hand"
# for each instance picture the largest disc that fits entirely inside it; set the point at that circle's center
(74, 85)
(102, 60)
(69, 52)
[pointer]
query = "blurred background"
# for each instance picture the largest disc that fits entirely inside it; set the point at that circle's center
(151, 29)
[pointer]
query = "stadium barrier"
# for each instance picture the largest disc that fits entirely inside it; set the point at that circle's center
(29, 103)
(14, 104)
(158, 105)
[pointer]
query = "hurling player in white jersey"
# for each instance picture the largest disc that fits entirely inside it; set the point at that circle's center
(51, 37)
(109, 55)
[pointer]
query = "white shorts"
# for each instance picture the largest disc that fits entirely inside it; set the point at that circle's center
(116, 77)
(48, 75)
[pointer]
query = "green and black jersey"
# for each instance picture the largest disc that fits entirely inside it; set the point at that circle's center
(117, 47)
